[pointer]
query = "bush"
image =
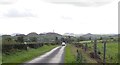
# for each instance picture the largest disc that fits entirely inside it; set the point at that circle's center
(9, 47)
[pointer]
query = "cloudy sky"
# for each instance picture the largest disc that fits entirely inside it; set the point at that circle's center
(64, 16)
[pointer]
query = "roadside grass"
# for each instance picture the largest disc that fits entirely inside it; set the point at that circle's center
(111, 51)
(85, 57)
(23, 56)
(69, 54)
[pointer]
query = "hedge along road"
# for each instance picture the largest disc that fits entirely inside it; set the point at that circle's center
(56, 55)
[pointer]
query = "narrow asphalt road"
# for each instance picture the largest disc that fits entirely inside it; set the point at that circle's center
(56, 55)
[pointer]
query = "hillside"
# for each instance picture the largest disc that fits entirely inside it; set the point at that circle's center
(105, 36)
(44, 37)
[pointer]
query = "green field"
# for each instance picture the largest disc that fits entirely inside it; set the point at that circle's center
(111, 51)
(23, 56)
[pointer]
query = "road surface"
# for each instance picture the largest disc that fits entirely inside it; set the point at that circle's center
(56, 55)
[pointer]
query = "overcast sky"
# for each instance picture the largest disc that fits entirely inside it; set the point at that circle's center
(64, 16)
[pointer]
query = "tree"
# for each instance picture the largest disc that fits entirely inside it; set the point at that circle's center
(90, 38)
(56, 40)
(69, 39)
(33, 39)
(101, 38)
(62, 39)
(78, 39)
(8, 39)
(82, 38)
(20, 39)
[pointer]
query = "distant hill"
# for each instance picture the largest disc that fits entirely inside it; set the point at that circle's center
(72, 34)
(43, 37)
(54, 34)
(92, 36)
(97, 36)
(32, 34)
(15, 34)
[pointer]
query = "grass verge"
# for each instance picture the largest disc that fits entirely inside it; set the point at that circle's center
(85, 57)
(69, 56)
(23, 56)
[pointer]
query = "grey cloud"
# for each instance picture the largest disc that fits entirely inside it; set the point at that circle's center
(80, 2)
(17, 13)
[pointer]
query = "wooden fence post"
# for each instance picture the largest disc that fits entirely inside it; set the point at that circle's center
(95, 48)
(79, 57)
(104, 54)
(86, 46)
